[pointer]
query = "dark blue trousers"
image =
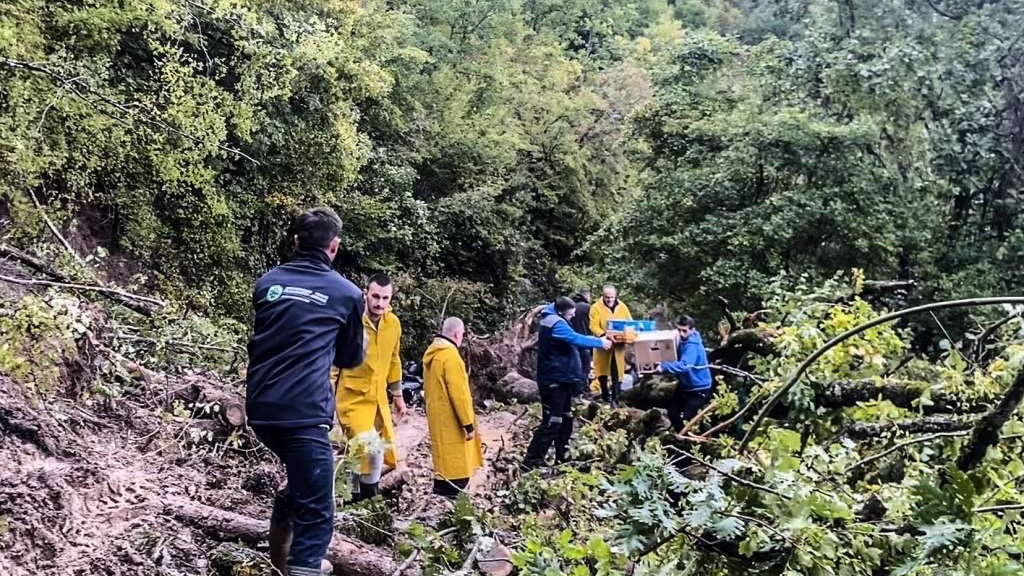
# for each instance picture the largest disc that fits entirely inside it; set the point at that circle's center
(555, 426)
(308, 503)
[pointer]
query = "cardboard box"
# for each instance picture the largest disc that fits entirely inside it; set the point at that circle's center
(651, 348)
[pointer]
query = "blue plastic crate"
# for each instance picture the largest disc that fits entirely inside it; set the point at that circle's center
(637, 325)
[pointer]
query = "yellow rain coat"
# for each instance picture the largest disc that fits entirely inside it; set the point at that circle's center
(361, 393)
(599, 317)
(449, 410)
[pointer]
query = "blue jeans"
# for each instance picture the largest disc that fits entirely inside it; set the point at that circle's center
(308, 503)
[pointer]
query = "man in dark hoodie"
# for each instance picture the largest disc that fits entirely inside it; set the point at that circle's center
(691, 370)
(581, 324)
(307, 317)
(558, 374)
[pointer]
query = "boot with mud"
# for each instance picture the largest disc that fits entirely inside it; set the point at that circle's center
(280, 535)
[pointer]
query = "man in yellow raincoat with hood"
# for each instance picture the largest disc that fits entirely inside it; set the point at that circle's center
(454, 438)
(363, 392)
(609, 362)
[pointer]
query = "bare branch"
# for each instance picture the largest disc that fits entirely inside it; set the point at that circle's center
(732, 477)
(70, 286)
(51, 226)
(884, 453)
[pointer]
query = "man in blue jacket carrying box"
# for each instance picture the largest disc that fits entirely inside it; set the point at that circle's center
(559, 371)
(694, 388)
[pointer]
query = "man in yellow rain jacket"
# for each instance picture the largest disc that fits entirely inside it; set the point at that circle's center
(362, 392)
(454, 439)
(609, 362)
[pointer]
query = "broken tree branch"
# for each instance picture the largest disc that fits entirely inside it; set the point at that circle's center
(349, 556)
(792, 380)
(728, 475)
(986, 431)
(979, 344)
(901, 445)
(927, 425)
(53, 228)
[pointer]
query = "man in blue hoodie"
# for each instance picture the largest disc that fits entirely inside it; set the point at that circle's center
(559, 372)
(307, 317)
(694, 388)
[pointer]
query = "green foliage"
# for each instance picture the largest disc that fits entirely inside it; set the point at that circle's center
(371, 520)
(793, 504)
(825, 142)
(38, 336)
(470, 144)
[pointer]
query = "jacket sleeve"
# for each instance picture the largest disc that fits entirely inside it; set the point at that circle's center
(457, 384)
(595, 322)
(348, 348)
(562, 331)
(629, 315)
(687, 361)
(395, 369)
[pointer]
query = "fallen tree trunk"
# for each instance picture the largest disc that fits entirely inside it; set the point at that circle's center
(926, 425)
(516, 387)
(349, 556)
(656, 393)
(194, 390)
(846, 393)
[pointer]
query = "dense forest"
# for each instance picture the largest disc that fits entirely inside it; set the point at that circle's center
(783, 170)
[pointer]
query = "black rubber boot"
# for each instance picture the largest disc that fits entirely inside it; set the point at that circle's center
(367, 491)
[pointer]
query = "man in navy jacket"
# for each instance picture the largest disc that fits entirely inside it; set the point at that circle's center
(307, 316)
(559, 372)
(694, 388)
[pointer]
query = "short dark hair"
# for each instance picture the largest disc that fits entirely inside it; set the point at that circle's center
(380, 279)
(316, 228)
(563, 304)
(687, 321)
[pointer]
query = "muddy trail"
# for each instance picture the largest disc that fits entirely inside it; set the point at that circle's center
(141, 486)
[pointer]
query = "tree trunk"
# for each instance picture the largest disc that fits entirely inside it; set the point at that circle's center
(516, 387)
(656, 393)
(926, 425)
(349, 556)
(211, 397)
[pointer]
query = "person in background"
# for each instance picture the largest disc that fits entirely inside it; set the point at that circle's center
(609, 363)
(307, 316)
(454, 439)
(581, 324)
(558, 375)
(363, 391)
(694, 388)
